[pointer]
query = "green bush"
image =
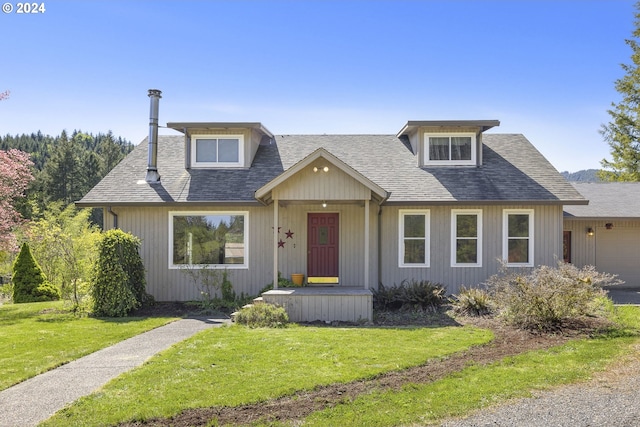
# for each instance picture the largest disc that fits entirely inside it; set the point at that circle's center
(263, 316)
(410, 295)
(118, 283)
(472, 302)
(29, 282)
(547, 297)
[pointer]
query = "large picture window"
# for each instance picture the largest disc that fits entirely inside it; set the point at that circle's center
(466, 238)
(414, 238)
(517, 245)
(451, 149)
(217, 151)
(208, 238)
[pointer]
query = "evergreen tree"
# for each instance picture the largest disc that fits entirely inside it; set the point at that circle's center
(62, 173)
(29, 282)
(110, 152)
(622, 133)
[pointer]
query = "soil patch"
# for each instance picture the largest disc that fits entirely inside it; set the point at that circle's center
(508, 342)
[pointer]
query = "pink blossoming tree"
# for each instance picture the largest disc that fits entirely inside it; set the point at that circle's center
(15, 175)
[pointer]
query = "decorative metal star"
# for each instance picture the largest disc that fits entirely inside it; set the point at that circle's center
(281, 243)
(289, 234)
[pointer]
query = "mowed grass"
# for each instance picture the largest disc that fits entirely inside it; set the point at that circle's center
(37, 337)
(231, 366)
(477, 387)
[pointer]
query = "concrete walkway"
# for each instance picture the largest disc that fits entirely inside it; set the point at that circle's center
(35, 400)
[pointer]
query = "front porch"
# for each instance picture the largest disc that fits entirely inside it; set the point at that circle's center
(338, 303)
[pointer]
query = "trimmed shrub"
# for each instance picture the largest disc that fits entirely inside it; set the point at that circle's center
(29, 282)
(472, 302)
(263, 316)
(409, 295)
(118, 283)
(547, 297)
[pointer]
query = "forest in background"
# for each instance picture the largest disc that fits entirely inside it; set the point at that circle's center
(66, 166)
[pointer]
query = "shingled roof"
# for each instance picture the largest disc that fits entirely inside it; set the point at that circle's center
(513, 171)
(607, 200)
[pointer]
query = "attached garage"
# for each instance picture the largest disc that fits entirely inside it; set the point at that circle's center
(606, 232)
(618, 251)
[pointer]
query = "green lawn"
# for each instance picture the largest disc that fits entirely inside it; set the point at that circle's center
(476, 387)
(234, 366)
(37, 337)
(231, 366)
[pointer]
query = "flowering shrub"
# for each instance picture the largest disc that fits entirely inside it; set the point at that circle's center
(15, 176)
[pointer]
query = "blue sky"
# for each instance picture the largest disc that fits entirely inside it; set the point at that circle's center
(544, 68)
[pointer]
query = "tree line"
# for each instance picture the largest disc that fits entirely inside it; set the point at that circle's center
(65, 167)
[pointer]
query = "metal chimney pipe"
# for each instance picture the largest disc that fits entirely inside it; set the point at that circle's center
(152, 169)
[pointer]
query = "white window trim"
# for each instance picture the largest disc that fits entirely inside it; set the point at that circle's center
(454, 236)
(238, 164)
(474, 149)
(244, 266)
(505, 237)
(427, 238)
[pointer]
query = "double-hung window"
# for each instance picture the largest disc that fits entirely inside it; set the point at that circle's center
(414, 238)
(209, 239)
(517, 235)
(450, 149)
(211, 151)
(466, 238)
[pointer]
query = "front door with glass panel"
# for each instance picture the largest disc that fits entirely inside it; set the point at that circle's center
(322, 251)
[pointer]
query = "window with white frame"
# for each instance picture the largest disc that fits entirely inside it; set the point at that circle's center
(211, 151)
(414, 238)
(208, 239)
(466, 238)
(450, 148)
(517, 244)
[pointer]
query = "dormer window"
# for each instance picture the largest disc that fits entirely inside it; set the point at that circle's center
(450, 148)
(217, 151)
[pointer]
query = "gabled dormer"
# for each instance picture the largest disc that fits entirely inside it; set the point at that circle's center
(447, 142)
(216, 145)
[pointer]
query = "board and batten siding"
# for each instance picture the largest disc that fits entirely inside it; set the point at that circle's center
(151, 225)
(333, 185)
(292, 258)
(548, 228)
(600, 249)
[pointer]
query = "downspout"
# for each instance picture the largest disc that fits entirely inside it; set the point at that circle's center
(379, 245)
(115, 217)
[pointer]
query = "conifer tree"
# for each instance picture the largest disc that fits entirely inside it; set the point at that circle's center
(29, 282)
(622, 133)
(62, 173)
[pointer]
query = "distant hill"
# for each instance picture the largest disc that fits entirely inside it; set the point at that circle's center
(586, 175)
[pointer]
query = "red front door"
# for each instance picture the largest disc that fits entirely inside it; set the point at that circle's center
(322, 237)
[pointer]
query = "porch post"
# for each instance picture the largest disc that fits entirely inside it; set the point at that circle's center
(366, 244)
(275, 244)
